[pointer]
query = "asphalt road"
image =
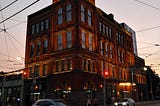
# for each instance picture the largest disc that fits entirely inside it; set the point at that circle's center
(151, 103)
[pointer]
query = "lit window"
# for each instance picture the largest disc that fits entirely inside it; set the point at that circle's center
(45, 46)
(33, 29)
(90, 42)
(32, 50)
(60, 16)
(59, 41)
(82, 13)
(69, 39)
(89, 18)
(69, 13)
(38, 49)
(83, 40)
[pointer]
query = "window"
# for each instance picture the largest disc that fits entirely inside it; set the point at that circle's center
(33, 29)
(60, 41)
(69, 39)
(63, 64)
(32, 50)
(111, 52)
(44, 70)
(90, 42)
(106, 50)
(101, 47)
(45, 46)
(100, 26)
(46, 24)
(42, 25)
(31, 72)
(107, 32)
(60, 16)
(36, 71)
(69, 12)
(104, 29)
(69, 61)
(82, 13)
(89, 18)
(37, 27)
(83, 40)
(89, 65)
(38, 49)
(110, 32)
(57, 66)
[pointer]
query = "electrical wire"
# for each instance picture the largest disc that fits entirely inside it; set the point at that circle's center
(8, 5)
(151, 28)
(147, 4)
(19, 11)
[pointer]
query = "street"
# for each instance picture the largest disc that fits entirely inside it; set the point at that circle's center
(153, 103)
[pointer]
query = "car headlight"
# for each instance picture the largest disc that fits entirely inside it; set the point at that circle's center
(115, 104)
(124, 104)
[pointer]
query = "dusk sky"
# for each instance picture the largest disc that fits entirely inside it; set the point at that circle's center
(141, 15)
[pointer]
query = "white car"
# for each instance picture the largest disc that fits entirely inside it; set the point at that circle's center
(47, 102)
(125, 102)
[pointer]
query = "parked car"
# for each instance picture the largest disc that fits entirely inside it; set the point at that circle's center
(125, 102)
(48, 102)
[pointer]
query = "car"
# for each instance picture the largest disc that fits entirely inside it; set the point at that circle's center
(125, 102)
(48, 102)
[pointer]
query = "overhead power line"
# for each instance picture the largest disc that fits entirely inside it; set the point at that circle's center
(19, 12)
(8, 5)
(147, 4)
(151, 28)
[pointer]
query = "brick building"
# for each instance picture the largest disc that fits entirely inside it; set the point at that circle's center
(69, 46)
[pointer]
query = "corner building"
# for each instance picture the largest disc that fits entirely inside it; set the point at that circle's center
(70, 45)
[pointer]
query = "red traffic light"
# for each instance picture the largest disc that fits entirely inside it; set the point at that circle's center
(36, 87)
(24, 73)
(106, 73)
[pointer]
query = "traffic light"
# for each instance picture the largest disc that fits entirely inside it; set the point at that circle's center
(101, 86)
(36, 87)
(106, 74)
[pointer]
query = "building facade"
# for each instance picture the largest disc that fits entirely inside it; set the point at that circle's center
(70, 45)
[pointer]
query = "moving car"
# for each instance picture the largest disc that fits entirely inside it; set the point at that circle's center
(48, 102)
(125, 102)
